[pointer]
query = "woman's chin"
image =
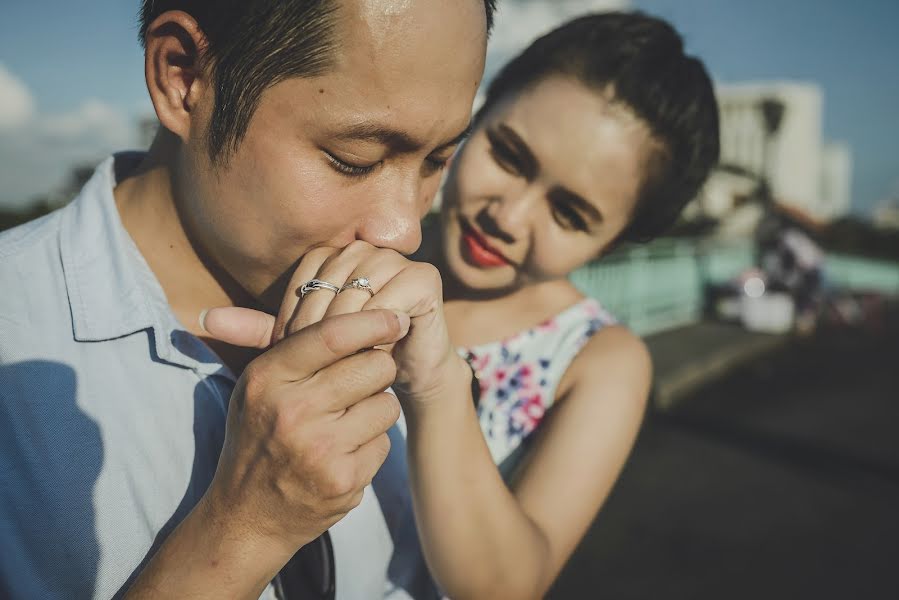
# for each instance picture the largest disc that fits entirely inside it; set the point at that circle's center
(480, 280)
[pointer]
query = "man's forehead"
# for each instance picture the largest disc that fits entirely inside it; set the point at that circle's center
(380, 24)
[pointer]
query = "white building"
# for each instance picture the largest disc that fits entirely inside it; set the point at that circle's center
(836, 180)
(803, 170)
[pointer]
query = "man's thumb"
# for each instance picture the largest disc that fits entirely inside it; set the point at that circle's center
(238, 326)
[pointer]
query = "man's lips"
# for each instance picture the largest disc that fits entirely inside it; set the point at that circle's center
(479, 251)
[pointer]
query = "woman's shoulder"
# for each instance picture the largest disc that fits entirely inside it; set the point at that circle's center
(613, 355)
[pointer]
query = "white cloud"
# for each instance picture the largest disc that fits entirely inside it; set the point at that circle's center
(93, 120)
(38, 150)
(16, 102)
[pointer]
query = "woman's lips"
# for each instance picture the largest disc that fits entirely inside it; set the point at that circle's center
(478, 251)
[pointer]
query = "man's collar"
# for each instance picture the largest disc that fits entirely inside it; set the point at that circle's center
(98, 258)
(112, 290)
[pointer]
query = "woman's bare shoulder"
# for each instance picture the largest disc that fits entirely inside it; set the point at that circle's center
(615, 356)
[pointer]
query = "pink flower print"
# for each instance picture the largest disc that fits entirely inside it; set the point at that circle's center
(478, 363)
(548, 326)
(525, 417)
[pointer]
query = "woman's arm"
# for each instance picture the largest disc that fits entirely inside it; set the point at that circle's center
(482, 540)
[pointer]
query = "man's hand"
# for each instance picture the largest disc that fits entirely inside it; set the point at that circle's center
(306, 433)
(425, 358)
(307, 429)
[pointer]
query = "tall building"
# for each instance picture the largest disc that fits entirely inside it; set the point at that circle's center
(836, 180)
(775, 130)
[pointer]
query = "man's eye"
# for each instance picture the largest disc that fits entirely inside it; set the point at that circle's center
(348, 169)
(434, 165)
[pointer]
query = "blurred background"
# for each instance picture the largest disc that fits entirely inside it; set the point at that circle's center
(768, 465)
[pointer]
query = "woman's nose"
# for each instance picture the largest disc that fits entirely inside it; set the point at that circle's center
(513, 213)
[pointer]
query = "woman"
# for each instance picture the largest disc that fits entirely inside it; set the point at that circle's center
(599, 133)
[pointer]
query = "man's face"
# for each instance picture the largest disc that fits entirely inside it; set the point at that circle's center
(354, 154)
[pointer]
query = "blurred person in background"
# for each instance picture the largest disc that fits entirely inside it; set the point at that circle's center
(792, 262)
(137, 460)
(597, 134)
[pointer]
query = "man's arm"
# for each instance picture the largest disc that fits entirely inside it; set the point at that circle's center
(306, 433)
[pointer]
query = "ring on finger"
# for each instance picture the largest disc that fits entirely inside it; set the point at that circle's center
(317, 284)
(360, 283)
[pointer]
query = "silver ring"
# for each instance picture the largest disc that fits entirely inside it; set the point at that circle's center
(360, 283)
(317, 284)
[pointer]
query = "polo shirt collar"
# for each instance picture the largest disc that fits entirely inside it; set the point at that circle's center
(112, 291)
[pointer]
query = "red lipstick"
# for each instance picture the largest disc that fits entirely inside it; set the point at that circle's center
(478, 251)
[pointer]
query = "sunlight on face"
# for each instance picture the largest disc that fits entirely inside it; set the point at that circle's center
(550, 177)
(354, 154)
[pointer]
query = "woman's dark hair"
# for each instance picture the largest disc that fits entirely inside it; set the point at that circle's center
(251, 46)
(640, 62)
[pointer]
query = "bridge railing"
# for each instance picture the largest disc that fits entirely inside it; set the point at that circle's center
(661, 285)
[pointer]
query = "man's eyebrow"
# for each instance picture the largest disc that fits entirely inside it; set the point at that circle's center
(463, 135)
(397, 140)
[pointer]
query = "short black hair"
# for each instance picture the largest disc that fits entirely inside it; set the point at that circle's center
(251, 46)
(640, 62)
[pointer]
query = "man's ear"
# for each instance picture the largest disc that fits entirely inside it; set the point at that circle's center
(174, 71)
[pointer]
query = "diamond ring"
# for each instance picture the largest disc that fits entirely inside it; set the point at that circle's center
(317, 284)
(360, 283)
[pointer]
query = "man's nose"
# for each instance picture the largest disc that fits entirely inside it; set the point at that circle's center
(394, 220)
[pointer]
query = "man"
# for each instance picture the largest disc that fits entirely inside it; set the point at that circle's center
(285, 126)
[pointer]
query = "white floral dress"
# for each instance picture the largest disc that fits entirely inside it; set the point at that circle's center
(518, 376)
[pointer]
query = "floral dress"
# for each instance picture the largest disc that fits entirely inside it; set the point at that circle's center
(518, 376)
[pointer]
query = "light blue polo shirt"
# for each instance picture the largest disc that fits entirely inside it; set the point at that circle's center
(112, 416)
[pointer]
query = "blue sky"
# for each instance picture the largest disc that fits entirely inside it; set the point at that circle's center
(71, 79)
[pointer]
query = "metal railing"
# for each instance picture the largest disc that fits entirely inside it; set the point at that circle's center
(661, 285)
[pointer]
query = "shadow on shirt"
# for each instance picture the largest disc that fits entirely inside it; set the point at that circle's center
(51, 455)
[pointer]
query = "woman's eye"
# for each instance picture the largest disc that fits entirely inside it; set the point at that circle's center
(505, 157)
(569, 218)
(350, 170)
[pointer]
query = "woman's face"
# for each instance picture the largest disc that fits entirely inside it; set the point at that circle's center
(549, 178)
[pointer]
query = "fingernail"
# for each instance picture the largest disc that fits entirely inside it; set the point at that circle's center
(202, 319)
(403, 318)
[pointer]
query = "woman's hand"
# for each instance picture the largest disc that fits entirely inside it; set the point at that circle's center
(425, 358)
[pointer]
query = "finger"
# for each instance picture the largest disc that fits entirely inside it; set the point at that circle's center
(417, 291)
(298, 357)
(243, 327)
(379, 268)
(367, 419)
(361, 375)
(335, 270)
(305, 271)
(370, 457)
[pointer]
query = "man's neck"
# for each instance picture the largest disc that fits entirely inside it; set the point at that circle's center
(148, 206)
